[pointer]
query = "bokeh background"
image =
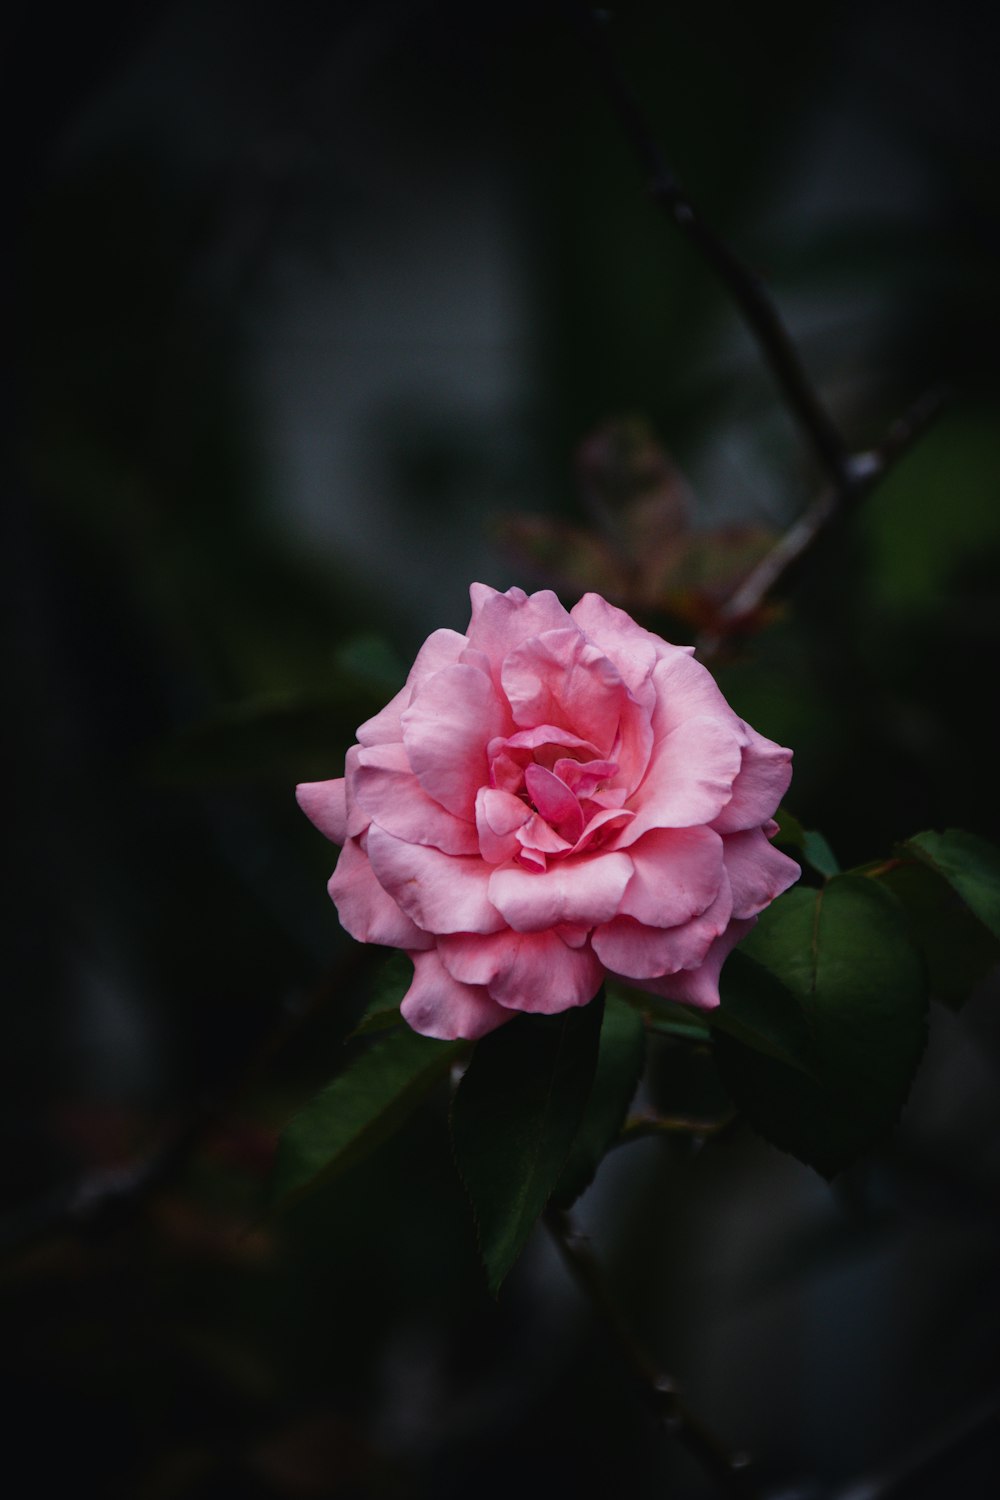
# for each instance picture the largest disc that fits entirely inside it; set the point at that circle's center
(320, 313)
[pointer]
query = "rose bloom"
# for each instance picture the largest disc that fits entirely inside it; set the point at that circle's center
(553, 797)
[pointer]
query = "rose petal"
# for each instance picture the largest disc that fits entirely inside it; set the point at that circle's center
(585, 891)
(440, 892)
(446, 729)
(325, 805)
(499, 815)
(365, 909)
(633, 650)
(555, 802)
(528, 971)
(441, 649)
(690, 778)
(628, 948)
(389, 792)
(438, 1005)
(762, 782)
(502, 621)
(685, 690)
(678, 872)
(700, 986)
(559, 678)
(357, 818)
(757, 871)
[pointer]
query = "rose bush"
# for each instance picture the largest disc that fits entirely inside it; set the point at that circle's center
(552, 797)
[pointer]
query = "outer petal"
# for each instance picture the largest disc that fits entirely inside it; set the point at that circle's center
(685, 690)
(392, 796)
(628, 948)
(446, 730)
(560, 678)
(757, 871)
(690, 778)
(678, 872)
(366, 911)
(440, 892)
(438, 1005)
(529, 971)
(577, 891)
(502, 621)
(325, 805)
(441, 649)
(700, 986)
(633, 650)
(762, 782)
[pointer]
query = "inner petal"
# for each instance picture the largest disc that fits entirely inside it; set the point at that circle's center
(554, 800)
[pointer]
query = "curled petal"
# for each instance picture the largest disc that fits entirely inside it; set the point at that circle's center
(325, 805)
(439, 892)
(577, 891)
(502, 621)
(441, 649)
(700, 986)
(560, 678)
(633, 650)
(757, 871)
(685, 690)
(678, 872)
(528, 971)
(446, 730)
(762, 782)
(690, 778)
(365, 908)
(555, 802)
(499, 815)
(628, 948)
(392, 796)
(438, 1005)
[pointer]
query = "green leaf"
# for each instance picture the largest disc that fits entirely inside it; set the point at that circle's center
(665, 1017)
(969, 864)
(620, 1058)
(811, 847)
(845, 954)
(359, 1109)
(514, 1119)
(391, 984)
(957, 949)
(762, 1012)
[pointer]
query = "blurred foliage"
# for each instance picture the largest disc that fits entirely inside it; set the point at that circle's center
(186, 648)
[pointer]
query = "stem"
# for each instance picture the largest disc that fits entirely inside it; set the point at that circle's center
(640, 1126)
(743, 285)
(867, 470)
(731, 1471)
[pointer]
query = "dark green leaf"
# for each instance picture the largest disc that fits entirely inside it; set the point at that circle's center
(665, 1017)
(806, 844)
(391, 984)
(970, 865)
(619, 1066)
(958, 950)
(514, 1118)
(761, 1012)
(362, 1106)
(844, 952)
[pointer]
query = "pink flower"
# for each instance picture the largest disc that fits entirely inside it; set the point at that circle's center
(553, 797)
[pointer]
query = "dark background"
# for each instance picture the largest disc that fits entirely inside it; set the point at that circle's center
(307, 303)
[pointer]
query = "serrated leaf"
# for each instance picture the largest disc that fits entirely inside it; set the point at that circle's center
(761, 1012)
(359, 1109)
(970, 865)
(620, 1058)
(514, 1117)
(845, 954)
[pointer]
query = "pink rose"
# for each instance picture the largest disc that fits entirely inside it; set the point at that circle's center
(551, 798)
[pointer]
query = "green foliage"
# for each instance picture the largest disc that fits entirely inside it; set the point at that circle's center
(760, 1011)
(949, 886)
(806, 844)
(514, 1119)
(359, 1109)
(620, 1059)
(845, 953)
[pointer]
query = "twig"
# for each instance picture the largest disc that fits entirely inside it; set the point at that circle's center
(744, 286)
(731, 1471)
(638, 1127)
(866, 470)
